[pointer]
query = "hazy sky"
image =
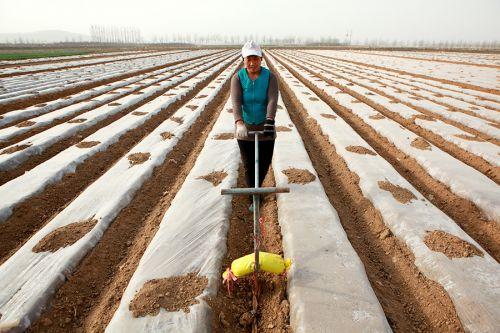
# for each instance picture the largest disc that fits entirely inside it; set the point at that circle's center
(471, 20)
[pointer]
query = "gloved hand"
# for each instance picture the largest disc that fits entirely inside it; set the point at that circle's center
(269, 129)
(241, 130)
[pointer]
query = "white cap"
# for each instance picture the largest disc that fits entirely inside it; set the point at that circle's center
(251, 48)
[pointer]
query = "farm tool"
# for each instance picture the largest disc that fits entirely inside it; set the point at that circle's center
(258, 260)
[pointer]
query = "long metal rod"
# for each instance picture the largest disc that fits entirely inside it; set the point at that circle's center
(252, 190)
(256, 204)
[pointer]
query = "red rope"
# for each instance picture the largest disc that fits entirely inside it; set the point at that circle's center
(229, 279)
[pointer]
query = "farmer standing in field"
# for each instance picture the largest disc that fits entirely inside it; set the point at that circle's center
(254, 94)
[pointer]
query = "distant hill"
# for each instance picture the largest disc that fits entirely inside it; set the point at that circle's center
(45, 36)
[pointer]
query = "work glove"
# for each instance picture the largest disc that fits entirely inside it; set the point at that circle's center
(269, 129)
(241, 130)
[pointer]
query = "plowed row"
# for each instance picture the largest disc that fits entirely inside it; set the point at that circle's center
(112, 217)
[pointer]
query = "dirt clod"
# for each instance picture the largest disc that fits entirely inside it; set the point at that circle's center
(450, 245)
(177, 120)
(246, 319)
(282, 129)
(399, 193)
(420, 143)
(360, 150)
(192, 107)
(469, 137)
(138, 158)
(114, 104)
(26, 123)
(313, 99)
(14, 149)
(138, 113)
(172, 294)
(64, 236)
(77, 121)
(224, 136)
(377, 117)
(214, 177)
(166, 135)
(87, 144)
(299, 176)
(328, 116)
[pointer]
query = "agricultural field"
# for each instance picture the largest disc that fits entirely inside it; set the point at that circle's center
(112, 218)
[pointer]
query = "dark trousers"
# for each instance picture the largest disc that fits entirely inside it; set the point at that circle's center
(247, 150)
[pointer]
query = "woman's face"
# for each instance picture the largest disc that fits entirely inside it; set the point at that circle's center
(252, 64)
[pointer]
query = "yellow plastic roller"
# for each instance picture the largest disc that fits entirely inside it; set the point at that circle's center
(269, 262)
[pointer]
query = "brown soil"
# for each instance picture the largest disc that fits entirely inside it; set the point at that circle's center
(166, 135)
(399, 193)
(77, 121)
(328, 116)
(299, 176)
(26, 123)
(172, 294)
(114, 104)
(214, 177)
(64, 236)
(377, 117)
(88, 300)
(469, 137)
(411, 302)
(282, 129)
(14, 149)
(424, 117)
(450, 245)
(138, 113)
(420, 144)
(177, 119)
(87, 144)
(192, 107)
(360, 150)
(233, 314)
(138, 158)
(224, 136)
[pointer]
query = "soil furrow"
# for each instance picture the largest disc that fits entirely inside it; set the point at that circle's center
(88, 300)
(33, 100)
(463, 127)
(466, 157)
(56, 122)
(411, 302)
(29, 216)
(69, 67)
(231, 312)
(455, 83)
(467, 215)
(59, 146)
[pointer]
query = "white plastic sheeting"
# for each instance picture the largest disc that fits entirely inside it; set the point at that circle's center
(190, 239)
(489, 151)
(473, 284)
(41, 141)
(28, 279)
(397, 91)
(462, 179)
(327, 285)
(482, 77)
(69, 102)
(52, 170)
